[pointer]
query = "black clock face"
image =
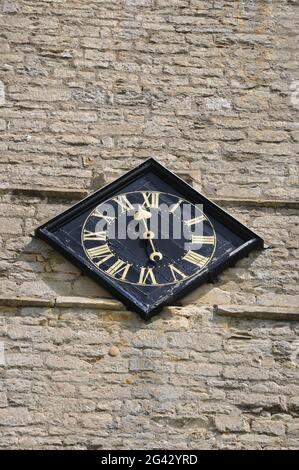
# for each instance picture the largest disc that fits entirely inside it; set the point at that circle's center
(158, 247)
(149, 238)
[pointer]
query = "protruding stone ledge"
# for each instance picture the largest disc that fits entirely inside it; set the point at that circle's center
(77, 194)
(10, 301)
(43, 192)
(234, 311)
(284, 203)
(257, 311)
(85, 302)
(61, 302)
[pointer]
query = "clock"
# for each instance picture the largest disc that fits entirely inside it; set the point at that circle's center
(149, 238)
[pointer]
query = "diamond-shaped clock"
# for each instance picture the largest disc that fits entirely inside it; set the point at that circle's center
(149, 238)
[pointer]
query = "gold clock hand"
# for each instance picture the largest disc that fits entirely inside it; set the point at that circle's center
(142, 214)
(148, 235)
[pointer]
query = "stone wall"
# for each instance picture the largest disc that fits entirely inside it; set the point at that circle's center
(88, 90)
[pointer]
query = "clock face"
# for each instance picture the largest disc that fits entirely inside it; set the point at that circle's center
(160, 246)
(149, 238)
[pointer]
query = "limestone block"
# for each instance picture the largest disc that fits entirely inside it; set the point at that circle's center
(2, 94)
(231, 424)
(266, 426)
(14, 416)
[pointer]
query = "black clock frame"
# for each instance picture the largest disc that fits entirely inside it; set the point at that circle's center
(208, 274)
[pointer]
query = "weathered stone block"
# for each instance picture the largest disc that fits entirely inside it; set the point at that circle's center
(11, 226)
(14, 416)
(266, 426)
(2, 94)
(231, 424)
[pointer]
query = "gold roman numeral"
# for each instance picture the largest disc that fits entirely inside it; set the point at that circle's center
(196, 220)
(124, 203)
(101, 236)
(175, 271)
(107, 218)
(174, 208)
(147, 274)
(119, 267)
(203, 240)
(195, 258)
(102, 253)
(151, 199)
